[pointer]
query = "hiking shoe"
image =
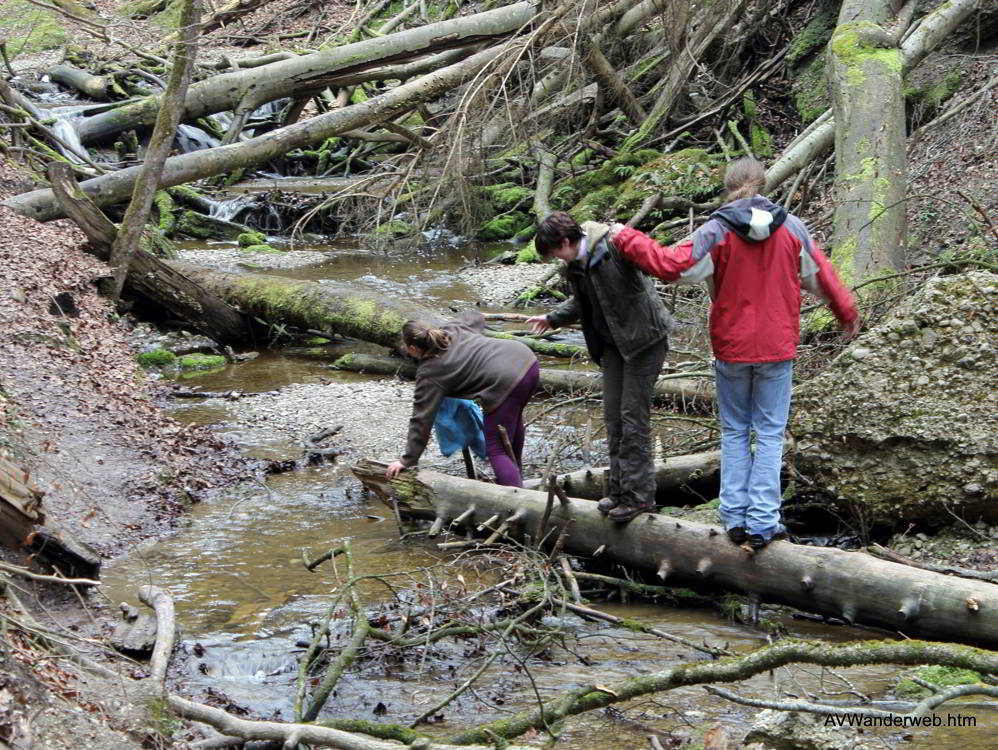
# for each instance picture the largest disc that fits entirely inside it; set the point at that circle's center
(606, 504)
(624, 513)
(738, 535)
(756, 541)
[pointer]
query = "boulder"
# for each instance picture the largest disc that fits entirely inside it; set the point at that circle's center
(902, 424)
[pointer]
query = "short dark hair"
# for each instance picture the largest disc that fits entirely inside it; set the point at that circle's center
(556, 227)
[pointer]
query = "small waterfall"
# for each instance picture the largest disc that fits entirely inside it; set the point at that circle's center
(63, 127)
(190, 138)
(228, 210)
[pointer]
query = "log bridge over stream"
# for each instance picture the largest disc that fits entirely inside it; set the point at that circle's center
(850, 585)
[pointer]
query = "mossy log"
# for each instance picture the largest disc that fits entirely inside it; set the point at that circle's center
(689, 390)
(91, 86)
(852, 586)
(339, 309)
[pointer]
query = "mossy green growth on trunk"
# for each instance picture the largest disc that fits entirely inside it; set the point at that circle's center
(940, 676)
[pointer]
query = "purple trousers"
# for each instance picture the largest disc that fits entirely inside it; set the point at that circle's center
(509, 414)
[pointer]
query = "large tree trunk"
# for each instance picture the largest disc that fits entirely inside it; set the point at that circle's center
(116, 187)
(865, 77)
(133, 224)
(852, 586)
(820, 135)
(334, 308)
(245, 90)
(149, 276)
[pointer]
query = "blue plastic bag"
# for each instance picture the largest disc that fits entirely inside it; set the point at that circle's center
(460, 424)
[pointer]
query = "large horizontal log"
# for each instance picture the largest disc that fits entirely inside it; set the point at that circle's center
(117, 186)
(333, 308)
(552, 380)
(304, 74)
(853, 586)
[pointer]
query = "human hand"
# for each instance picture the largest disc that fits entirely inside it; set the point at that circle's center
(615, 229)
(394, 469)
(538, 323)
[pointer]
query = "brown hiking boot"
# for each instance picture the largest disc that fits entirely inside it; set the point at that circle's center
(624, 513)
(606, 504)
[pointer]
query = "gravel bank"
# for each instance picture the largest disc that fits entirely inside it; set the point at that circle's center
(500, 285)
(236, 259)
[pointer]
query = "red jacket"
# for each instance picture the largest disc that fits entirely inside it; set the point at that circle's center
(754, 256)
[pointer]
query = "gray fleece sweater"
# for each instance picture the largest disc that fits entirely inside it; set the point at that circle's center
(473, 366)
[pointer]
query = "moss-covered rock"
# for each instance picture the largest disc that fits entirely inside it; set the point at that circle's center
(692, 173)
(247, 239)
(200, 362)
(394, 229)
(262, 248)
(900, 427)
(810, 90)
(506, 195)
(504, 226)
(204, 227)
(156, 358)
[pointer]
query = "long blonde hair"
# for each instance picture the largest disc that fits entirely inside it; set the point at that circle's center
(432, 341)
(744, 178)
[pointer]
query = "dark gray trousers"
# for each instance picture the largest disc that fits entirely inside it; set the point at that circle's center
(627, 392)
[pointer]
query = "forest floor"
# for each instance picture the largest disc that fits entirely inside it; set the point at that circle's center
(116, 468)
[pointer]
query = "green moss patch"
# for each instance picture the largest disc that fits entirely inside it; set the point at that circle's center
(156, 358)
(506, 195)
(940, 676)
(248, 239)
(28, 28)
(394, 229)
(504, 226)
(200, 362)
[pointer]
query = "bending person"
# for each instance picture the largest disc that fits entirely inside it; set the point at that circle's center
(458, 360)
(754, 257)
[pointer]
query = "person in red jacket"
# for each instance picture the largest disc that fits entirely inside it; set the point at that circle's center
(754, 257)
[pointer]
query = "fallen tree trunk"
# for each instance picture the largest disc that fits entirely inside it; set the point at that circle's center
(333, 308)
(245, 90)
(116, 187)
(148, 276)
(701, 471)
(555, 381)
(852, 586)
(91, 86)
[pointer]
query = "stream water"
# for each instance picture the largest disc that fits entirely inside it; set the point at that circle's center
(245, 600)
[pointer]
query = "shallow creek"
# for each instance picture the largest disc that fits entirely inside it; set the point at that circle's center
(242, 593)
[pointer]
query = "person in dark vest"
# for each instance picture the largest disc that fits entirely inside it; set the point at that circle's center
(458, 360)
(626, 328)
(755, 257)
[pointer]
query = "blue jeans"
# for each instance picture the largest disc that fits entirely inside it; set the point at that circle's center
(752, 396)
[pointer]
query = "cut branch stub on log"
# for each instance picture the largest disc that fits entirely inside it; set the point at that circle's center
(851, 586)
(671, 475)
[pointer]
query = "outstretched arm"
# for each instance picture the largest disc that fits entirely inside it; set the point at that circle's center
(662, 261)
